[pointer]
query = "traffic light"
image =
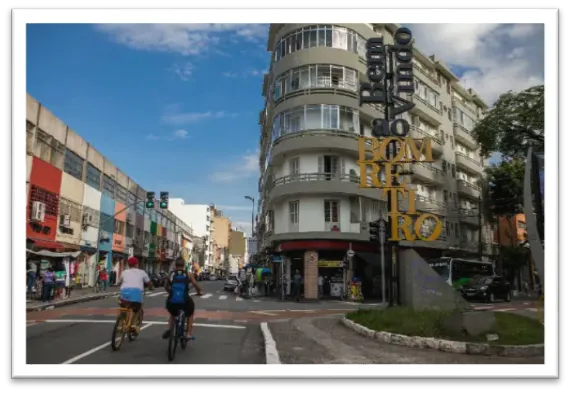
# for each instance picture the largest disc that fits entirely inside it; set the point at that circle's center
(374, 230)
(164, 200)
(150, 200)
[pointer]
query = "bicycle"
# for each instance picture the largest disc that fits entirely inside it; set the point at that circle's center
(124, 325)
(177, 333)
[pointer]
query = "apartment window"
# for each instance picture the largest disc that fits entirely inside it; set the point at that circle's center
(93, 177)
(119, 227)
(448, 229)
(320, 36)
(455, 199)
(332, 215)
(74, 210)
(120, 193)
(453, 170)
(442, 136)
(427, 94)
(444, 165)
(456, 230)
(130, 230)
(354, 209)
(294, 216)
(452, 143)
(131, 199)
(73, 165)
(445, 196)
(463, 119)
(108, 186)
(449, 113)
(294, 166)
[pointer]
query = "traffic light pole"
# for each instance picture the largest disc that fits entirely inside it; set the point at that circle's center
(383, 258)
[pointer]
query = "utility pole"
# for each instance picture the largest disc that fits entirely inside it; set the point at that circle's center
(382, 258)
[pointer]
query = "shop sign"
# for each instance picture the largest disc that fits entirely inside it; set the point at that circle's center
(277, 259)
(329, 264)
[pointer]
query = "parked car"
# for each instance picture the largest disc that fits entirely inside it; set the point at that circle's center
(487, 288)
(231, 283)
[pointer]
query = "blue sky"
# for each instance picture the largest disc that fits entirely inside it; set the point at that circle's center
(175, 116)
(176, 106)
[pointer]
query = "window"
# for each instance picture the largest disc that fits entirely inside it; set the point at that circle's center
(453, 170)
(442, 136)
(427, 94)
(73, 164)
(108, 186)
(448, 229)
(320, 36)
(315, 117)
(93, 177)
(444, 166)
(315, 76)
(456, 230)
(294, 166)
(445, 196)
(354, 209)
(130, 230)
(73, 209)
(131, 199)
(119, 227)
(449, 113)
(451, 139)
(294, 212)
(50, 199)
(120, 193)
(331, 211)
(463, 119)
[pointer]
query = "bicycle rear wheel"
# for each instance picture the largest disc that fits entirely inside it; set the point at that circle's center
(119, 331)
(135, 326)
(182, 330)
(173, 340)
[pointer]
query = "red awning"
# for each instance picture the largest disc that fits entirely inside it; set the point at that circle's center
(50, 245)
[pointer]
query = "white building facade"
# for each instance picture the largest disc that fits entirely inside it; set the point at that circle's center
(199, 219)
(312, 209)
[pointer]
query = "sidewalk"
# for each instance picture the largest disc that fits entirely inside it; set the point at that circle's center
(77, 296)
(325, 340)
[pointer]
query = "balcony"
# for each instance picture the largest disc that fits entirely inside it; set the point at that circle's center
(426, 111)
(464, 137)
(469, 245)
(467, 163)
(320, 183)
(470, 217)
(425, 205)
(469, 190)
(436, 143)
(459, 103)
(427, 173)
(426, 77)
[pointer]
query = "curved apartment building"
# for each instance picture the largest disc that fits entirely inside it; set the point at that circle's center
(311, 207)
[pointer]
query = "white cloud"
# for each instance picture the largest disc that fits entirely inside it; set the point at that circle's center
(243, 226)
(235, 208)
(183, 71)
(185, 39)
(180, 118)
(152, 137)
(244, 74)
(180, 134)
(247, 166)
(492, 58)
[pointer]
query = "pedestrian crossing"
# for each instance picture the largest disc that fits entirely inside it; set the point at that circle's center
(206, 296)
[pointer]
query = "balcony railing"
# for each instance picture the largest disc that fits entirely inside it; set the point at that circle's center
(470, 185)
(306, 133)
(429, 75)
(308, 177)
(468, 158)
(430, 167)
(433, 137)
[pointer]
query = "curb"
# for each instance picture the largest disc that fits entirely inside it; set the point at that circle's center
(49, 306)
(271, 353)
(521, 351)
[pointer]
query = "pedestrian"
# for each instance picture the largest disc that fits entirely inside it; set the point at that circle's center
(297, 282)
(320, 282)
(60, 276)
(48, 281)
(104, 277)
(31, 275)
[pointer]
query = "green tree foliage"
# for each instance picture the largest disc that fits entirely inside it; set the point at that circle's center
(515, 123)
(503, 194)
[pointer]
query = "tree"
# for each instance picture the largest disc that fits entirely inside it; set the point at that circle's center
(515, 123)
(504, 189)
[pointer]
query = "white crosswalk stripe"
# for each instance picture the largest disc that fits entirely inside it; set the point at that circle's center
(239, 299)
(223, 297)
(206, 296)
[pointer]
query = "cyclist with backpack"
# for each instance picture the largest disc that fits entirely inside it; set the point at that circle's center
(178, 285)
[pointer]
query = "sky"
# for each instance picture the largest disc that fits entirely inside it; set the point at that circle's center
(176, 107)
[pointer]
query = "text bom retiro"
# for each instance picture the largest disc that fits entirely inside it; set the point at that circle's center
(372, 154)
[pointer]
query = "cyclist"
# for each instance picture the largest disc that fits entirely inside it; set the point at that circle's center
(132, 284)
(178, 285)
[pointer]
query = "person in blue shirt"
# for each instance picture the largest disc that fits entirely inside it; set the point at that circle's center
(178, 285)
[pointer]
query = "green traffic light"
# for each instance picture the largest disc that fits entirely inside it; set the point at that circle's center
(149, 205)
(163, 205)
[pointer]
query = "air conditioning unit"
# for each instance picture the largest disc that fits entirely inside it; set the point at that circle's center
(38, 211)
(87, 219)
(129, 218)
(65, 220)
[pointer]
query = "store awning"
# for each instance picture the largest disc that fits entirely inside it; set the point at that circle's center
(52, 245)
(46, 253)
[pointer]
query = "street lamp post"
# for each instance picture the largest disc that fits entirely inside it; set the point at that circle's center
(252, 199)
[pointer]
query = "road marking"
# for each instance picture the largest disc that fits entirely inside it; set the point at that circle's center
(263, 313)
(239, 299)
(156, 294)
(300, 310)
(271, 353)
(93, 350)
(532, 309)
(505, 309)
(206, 296)
(256, 301)
(223, 297)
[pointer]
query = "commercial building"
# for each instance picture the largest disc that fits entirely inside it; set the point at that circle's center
(80, 201)
(312, 210)
(237, 250)
(200, 219)
(221, 240)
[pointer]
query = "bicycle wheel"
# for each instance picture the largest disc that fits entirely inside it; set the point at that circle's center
(134, 329)
(173, 340)
(182, 330)
(119, 331)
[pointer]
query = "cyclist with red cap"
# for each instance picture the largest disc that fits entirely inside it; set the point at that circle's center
(132, 284)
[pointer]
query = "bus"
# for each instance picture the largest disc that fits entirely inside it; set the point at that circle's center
(457, 271)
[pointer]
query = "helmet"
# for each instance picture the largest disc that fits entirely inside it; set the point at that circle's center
(133, 261)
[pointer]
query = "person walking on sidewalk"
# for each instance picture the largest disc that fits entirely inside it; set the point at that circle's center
(48, 281)
(31, 275)
(297, 282)
(103, 278)
(321, 283)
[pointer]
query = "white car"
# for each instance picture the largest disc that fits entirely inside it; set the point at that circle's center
(213, 277)
(231, 283)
